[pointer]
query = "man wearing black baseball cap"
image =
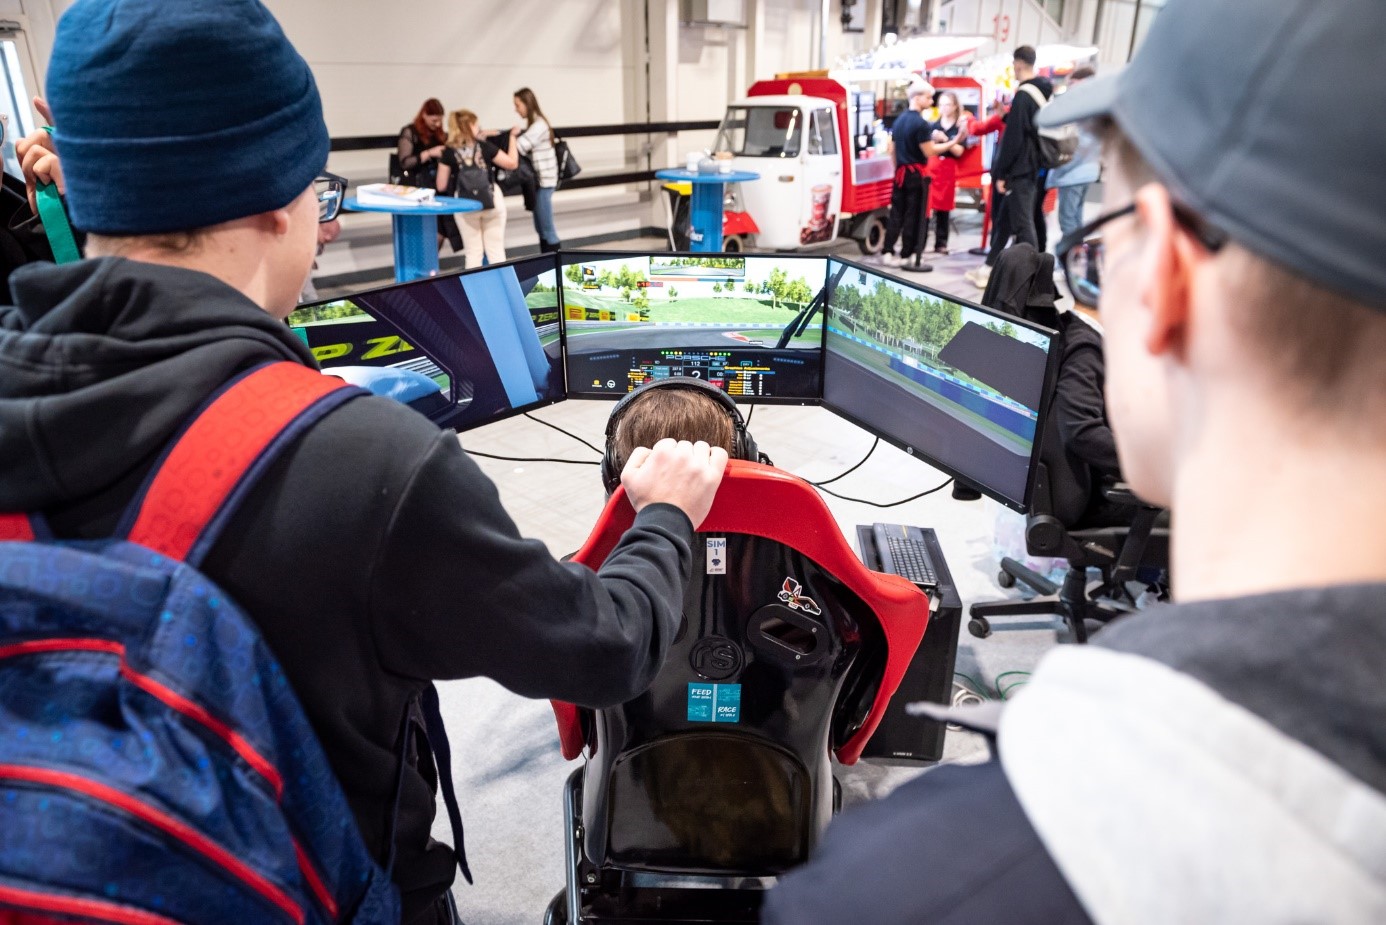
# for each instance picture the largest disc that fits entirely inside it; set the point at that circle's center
(1222, 759)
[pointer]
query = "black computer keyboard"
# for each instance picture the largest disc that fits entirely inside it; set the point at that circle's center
(902, 551)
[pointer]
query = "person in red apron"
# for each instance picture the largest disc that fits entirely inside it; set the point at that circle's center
(943, 167)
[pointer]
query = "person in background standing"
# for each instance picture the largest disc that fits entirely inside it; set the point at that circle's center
(909, 196)
(421, 145)
(483, 233)
(1073, 179)
(1015, 166)
(535, 139)
(943, 167)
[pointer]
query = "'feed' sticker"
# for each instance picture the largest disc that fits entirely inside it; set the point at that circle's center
(717, 555)
(714, 703)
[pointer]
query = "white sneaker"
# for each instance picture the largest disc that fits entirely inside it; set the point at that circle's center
(888, 259)
(979, 277)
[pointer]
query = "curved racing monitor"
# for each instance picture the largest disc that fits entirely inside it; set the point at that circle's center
(962, 386)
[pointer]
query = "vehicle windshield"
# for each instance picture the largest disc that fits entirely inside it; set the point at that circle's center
(760, 131)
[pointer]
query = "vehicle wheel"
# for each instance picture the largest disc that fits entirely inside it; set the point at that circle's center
(872, 233)
(1005, 579)
(979, 627)
(557, 912)
(734, 244)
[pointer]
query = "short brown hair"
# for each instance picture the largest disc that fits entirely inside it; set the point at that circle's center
(682, 414)
(1320, 350)
(169, 243)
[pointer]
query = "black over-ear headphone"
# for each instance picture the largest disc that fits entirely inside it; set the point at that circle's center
(743, 444)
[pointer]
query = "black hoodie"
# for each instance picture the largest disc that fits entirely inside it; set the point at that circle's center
(374, 555)
(1017, 154)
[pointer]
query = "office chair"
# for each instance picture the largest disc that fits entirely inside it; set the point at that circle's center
(1022, 284)
(1120, 553)
(698, 793)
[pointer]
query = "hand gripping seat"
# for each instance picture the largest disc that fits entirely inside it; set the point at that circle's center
(699, 792)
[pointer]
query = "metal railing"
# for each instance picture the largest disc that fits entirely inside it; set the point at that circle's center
(584, 180)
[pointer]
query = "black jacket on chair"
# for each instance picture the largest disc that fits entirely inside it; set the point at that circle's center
(1022, 283)
(1079, 413)
(1078, 450)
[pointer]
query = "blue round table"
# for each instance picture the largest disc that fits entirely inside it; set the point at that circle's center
(705, 218)
(416, 232)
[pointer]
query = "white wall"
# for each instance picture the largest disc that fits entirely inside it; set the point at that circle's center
(1009, 22)
(586, 60)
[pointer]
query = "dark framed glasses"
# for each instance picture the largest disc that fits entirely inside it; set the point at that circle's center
(330, 190)
(1081, 252)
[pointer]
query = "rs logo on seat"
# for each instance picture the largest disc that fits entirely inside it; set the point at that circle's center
(715, 658)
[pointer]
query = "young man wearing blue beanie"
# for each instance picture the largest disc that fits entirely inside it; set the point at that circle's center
(1222, 759)
(374, 555)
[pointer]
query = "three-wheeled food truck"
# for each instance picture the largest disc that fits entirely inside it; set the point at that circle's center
(823, 170)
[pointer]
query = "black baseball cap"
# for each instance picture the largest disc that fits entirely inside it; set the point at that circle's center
(1267, 118)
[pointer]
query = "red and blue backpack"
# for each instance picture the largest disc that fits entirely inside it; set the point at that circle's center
(155, 766)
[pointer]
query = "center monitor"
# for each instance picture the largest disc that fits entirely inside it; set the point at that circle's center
(752, 326)
(960, 385)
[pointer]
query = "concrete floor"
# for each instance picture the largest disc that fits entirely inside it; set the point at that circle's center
(506, 762)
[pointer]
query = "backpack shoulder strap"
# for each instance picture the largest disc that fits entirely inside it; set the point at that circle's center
(226, 446)
(15, 527)
(1035, 93)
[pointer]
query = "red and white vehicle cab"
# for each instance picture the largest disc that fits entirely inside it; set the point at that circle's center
(822, 171)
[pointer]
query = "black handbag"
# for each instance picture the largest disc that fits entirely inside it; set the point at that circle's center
(473, 180)
(522, 181)
(568, 167)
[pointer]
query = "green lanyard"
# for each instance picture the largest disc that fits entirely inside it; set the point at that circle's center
(55, 223)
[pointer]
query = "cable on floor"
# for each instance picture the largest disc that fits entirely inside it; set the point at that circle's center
(549, 459)
(875, 443)
(566, 433)
(829, 491)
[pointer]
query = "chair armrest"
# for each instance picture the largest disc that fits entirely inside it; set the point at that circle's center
(1121, 493)
(1133, 550)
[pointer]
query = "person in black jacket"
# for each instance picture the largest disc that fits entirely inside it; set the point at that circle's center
(1015, 166)
(374, 555)
(1223, 758)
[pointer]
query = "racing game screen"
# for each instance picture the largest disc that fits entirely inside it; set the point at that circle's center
(960, 386)
(752, 326)
(465, 350)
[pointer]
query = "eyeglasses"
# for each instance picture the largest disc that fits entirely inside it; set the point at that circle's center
(1081, 252)
(330, 190)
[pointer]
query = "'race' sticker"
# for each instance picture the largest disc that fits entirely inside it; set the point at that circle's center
(714, 703)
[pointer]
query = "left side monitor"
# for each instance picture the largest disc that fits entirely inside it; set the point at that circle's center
(465, 350)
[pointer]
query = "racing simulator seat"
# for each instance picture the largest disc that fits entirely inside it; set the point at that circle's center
(697, 794)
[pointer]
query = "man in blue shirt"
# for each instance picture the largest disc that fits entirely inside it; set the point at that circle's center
(910, 196)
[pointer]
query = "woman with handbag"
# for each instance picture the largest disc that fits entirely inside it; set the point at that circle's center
(535, 139)
(421, 145)
(467, 169)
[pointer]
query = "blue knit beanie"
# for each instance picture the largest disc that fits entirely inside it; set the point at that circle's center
(172, 115)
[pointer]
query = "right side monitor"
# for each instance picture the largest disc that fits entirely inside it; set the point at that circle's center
(960, 385)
